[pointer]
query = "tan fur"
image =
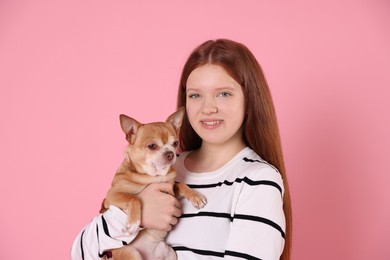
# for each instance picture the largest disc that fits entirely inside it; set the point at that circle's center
(148, 159)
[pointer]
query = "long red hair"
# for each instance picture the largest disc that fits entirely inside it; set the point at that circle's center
(261, 132)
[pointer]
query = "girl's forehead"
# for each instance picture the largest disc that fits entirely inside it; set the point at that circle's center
(210, 76)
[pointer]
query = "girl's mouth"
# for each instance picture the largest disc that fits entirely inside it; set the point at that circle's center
(211, 123)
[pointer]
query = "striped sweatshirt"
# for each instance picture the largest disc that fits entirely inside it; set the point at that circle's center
(243, 218)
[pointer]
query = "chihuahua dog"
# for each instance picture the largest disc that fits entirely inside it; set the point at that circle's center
(149, 157)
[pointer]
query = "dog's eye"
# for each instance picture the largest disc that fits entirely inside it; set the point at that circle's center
(152, 146)
(175, 143)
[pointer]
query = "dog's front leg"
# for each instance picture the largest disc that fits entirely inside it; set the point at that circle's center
(131, 205)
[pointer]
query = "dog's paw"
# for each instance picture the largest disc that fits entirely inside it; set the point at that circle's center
(198, 200)
(132, 228)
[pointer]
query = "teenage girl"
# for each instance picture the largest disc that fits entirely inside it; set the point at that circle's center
(231, 154)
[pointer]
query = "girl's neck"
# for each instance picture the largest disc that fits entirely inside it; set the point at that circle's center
(211, 157)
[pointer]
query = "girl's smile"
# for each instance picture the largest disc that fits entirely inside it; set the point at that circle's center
(211, 123)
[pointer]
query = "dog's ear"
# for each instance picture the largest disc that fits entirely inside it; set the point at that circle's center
(176, 118)
(129, 127)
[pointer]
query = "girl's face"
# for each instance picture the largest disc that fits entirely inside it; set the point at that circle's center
(215, 105)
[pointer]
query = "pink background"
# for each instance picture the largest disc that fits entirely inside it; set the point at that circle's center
(69, 68)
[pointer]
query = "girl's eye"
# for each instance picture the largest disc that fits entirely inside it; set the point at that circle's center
(175, 143)
(152, 146)
(224, 94)
(194, 95)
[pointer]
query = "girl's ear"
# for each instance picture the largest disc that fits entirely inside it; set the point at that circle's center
(129, 127)
(176, 118)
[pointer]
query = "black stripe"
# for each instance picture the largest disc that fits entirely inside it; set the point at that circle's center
(260, 161)
(198, 251)
(105, 227)
(106, 231)
(214, 253)
(241, 255)
(98, 242)
(97, 233)
(208, 214)
(237, 216)
(246, 159)
(238, 180)
(262, 220)
(81, 245)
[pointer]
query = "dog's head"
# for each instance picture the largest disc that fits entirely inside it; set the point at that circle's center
(152, 147)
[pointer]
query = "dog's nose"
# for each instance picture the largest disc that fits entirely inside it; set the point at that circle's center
(169, 155)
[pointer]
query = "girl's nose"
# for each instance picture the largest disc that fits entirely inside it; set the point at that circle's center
(209, 106)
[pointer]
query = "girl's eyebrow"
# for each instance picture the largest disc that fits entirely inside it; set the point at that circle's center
(217, 89)
(191, 89)
(226, 88)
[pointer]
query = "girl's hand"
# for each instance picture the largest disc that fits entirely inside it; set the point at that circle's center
(160, 208)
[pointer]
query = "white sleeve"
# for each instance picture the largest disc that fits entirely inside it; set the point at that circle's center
(258, 228)
(104, 232)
